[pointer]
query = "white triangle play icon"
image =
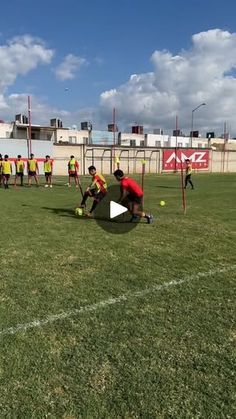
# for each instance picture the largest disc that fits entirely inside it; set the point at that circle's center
(116, 209)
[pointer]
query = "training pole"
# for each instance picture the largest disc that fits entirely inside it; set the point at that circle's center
(176, 140)
(29, 131)
(183, 190)
(142, 182)
(114, 134)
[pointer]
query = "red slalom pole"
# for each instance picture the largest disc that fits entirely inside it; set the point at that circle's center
(143, 174)
(183, 190)
(29, 117)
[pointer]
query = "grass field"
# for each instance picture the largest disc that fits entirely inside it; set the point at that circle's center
(99, 325)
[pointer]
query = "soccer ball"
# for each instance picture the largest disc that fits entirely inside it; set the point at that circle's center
(78, 212)
(162, 203)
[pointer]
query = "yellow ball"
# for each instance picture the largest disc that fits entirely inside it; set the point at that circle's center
(162, 203)
(78, 211)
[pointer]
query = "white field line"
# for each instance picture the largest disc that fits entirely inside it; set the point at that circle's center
(23, 327)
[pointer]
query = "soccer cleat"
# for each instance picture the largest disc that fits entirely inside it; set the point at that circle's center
(46, 186)
(50, 186)
(150, 219)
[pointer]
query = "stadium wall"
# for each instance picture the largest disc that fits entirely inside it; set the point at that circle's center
(104, 157)
(14, 147)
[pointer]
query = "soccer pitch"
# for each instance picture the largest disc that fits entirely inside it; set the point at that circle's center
(101, 325)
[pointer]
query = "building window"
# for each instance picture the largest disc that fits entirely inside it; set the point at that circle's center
(8, 134)
(72, 140)
(158, 143)
(180, 144)
(132, 143)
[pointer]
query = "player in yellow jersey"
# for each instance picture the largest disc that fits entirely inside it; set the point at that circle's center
(33, 170)
(188, 173)
(73, 168)
(97, 190)
(6, 171)
(48, 166)
(1, 178)
(20, 168)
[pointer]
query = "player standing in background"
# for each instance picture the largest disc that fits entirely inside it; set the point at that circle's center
(1, 159)
(6, 171)
(33, 170)
(188, 173)
(48, 166)
(131, 196)
(97, 190)
(20, 167)
(73, 168)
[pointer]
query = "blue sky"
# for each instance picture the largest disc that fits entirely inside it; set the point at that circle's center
(93, 47)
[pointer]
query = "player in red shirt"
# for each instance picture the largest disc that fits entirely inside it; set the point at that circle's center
(97, 190)
(131, 196)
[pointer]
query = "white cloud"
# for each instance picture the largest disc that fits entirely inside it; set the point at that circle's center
(69, 67)
(19, 56)
(179, 83)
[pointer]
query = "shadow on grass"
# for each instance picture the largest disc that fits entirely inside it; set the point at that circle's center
(167, 187)
(68, 212)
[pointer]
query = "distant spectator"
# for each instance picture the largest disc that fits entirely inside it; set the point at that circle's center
(20, 168)
(33, 170)
(188, 174)
(48, 167)
(6, 171)
(73, 168)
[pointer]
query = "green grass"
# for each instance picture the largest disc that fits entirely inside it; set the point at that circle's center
(167, 353)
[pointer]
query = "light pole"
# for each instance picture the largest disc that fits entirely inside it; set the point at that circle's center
(199, 106)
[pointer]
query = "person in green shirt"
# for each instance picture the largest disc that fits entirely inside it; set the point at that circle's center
(20, 167)
(188, 173)
(6, 171)
(48, 167)
(33, 169)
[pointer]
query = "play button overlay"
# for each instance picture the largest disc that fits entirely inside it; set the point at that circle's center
(116, 209)
(112, 217)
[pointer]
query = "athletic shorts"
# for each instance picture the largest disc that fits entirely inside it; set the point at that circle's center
(31, 173)
(73, 174)
(134, 198)
(98, 196)
(6, 176)
(48, 174)
(19, 174)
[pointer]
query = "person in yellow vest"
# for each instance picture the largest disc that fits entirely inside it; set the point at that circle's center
(6, 171)
(48, 166)
(1, 178)
(73, 168)
(33, 170)
(20, 168)
(188, 173)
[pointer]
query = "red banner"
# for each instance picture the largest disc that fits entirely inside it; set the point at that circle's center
(172, 158)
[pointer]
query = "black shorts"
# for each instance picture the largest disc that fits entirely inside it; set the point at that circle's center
(48, 174)
(19, 174)
(73, 174)
(31, 173)
(6, 176)
(98, 196)
(134, 199)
